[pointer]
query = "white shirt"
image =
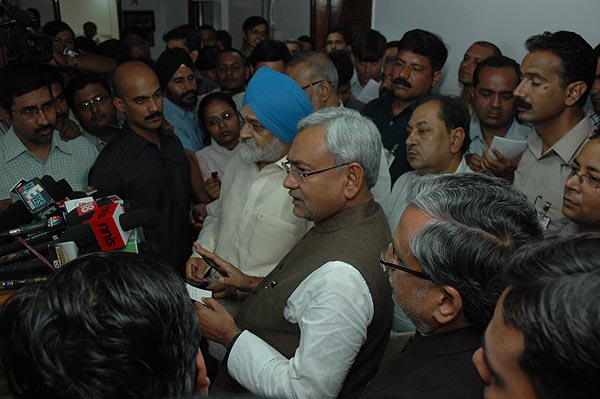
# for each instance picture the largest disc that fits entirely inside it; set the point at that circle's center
(382, 188)
(397, 202)
(252, 225)
(333, 308)
(214, 158)
(515, 132)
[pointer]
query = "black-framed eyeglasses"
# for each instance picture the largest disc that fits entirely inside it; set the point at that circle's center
(587, 181)
(301, 176)
(30, 112)
(385, 265)
(85, 105)
(313, 84)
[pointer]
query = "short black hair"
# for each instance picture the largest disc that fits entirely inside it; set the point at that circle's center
(252, 22)
(233, 51)
(500, 61)
(269, 50)
(78, 82)
(346, 34)
(52, 74)
(52, 28)
(343, 64)
(186, 32)
(489, 45)
(19, 79)
(207, 58)
(427, 44)
(577, 57)
(106, 325)
(454, 113)
(224, 37)
(553, 287)
(597, 50)
(368, 45)
(207, 27)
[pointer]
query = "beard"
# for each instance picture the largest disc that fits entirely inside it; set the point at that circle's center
(412, 307)
(252, 153)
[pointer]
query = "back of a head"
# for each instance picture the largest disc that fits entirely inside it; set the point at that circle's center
(207, 58)
(343, 64)
(269, 51)
(350, 137)
(454, 113)
(577, 56)
(368, 45)
(319, 63)
(19, 79)
(551, 300)
(478, 222)
(427, 44)
(106, 325)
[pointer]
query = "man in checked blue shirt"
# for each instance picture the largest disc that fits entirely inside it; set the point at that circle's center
(175, 70)
(32, 146)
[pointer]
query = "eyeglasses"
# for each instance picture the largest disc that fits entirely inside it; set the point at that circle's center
(85, 105)
(30, 112)
(301, 176)
(261, 33)
(588, 182)
(225, 116)
(385, 265)
(313, 84)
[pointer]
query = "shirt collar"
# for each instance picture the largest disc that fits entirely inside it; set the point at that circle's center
(566, 147)
(171, 107)
(15, 147)
(136, 143)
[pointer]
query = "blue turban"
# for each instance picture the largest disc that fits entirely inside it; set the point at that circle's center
(278, 103)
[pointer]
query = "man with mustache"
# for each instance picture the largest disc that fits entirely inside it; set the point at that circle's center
(176, 73)
(421, 57)
(32, 147)
(146, 164)
(558, 74)
(89, 96)
(494, 80)
(251, 224)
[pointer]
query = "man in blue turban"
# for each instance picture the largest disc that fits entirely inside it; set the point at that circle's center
(252, 223)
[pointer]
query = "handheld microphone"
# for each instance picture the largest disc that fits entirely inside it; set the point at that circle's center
(53, 223)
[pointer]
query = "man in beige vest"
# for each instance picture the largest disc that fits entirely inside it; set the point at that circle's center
(317, 325)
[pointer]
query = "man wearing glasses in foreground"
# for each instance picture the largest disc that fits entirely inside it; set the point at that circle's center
(455, 235)
(581, 202)
(317, 325)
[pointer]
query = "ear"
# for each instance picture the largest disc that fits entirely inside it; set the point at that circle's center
(355, 177)
(470, 91)
(248, 72)
(118, 103)
(457, 138)
(6, 115)
(574, 92)
(325, 91)
(437, 75)
(352, 58)
(194, 56)
(449, 305)
(202, 380)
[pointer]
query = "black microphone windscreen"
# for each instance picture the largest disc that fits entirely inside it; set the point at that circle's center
(81, 234)
(59, 190)
(139, 218)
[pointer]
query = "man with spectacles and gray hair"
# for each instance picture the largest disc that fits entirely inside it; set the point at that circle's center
(581, 202)
(318, 324)
(317, 75)
(455, 235)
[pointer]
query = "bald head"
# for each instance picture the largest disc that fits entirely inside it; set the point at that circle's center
(139, 96)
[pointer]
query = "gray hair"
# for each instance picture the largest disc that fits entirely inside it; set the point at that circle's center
(350, 137)
(320, 64)
(478, 222)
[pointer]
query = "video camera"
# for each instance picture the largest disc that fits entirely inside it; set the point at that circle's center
(17, 44)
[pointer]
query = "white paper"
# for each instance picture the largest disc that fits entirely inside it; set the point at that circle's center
(369, 92)
(197, 293)
(511, 149)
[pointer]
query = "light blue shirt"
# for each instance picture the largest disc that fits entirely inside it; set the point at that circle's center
(70, 160)
(516, 132)
(185, 125)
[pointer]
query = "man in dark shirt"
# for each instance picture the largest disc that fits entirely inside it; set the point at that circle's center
(146, 165)
(418, 69)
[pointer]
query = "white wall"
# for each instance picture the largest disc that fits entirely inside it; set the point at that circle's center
(507, 23)
(102, 12)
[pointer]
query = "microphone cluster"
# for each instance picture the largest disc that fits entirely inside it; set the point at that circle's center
(49, 224)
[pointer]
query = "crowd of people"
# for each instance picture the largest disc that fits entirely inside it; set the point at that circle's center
(331, 203)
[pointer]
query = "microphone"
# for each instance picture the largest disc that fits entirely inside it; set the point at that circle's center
(53, 223)
(12, 270)
(109, 227)
(18, 213)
